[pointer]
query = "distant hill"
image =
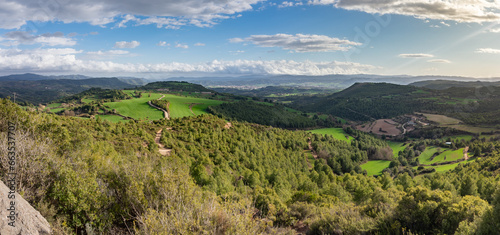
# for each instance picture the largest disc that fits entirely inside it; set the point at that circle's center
(174, 86)
(372, 90)
(43, 91)
(333, 81)
(445, 84)
(273, 91)
(368, 101)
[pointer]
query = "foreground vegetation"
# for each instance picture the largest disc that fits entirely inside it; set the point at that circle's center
(94, 176)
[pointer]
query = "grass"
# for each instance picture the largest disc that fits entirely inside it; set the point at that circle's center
(179, 106)
(447, 167)
(87, 100)
(450, 155)
(111, 118)
(375, 167)
(56, 110)
(137, 108)
(53, 105)
(337, 133)
(396, 147)
(425, 156)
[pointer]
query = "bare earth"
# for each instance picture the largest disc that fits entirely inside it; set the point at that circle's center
(163, 151)
(381, 127)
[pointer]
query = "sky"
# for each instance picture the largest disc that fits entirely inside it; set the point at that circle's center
(168, 38)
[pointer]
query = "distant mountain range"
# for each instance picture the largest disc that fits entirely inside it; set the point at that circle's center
(258, 81)
(36, 88)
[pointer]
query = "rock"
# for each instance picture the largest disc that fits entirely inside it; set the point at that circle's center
(28, 220)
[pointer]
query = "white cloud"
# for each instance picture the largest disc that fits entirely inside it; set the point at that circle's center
(106, 55)
(443, 61)
(417, 55)
(65, 60)
(456, 10)
(199, 44)
(289, 4)
(494, 30)
(237, 52)
(163, 43)
(125, 44)
(48, 39)
(300, 42)
(488, 51)
(183, 46)
(110, 52)
(445, 24)
(15, 14)
(236, 40)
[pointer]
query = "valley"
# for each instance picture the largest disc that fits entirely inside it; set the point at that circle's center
(278, 160)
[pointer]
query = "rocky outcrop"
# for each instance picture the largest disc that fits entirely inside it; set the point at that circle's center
(17, 216)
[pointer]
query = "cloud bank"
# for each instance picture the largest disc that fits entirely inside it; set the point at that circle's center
(456, 10)
(65, 60)
(16, 13)
(300, 42)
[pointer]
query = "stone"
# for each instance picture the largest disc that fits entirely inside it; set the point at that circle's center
(18, 217)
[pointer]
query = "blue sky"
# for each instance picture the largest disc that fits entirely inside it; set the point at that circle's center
(165, 38)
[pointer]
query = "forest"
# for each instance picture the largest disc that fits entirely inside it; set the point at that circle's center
(93, 176)
(370, 101)
(262, 113)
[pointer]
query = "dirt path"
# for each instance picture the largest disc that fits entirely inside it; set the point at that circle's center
(165, 112)
(466, 149)
(163, 151)
(228, 125)
(312, 150)
(191, 107)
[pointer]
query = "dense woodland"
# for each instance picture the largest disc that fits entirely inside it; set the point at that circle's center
(93, 176)
(44, 91)
(370, 101)
(262, 113)
(103, 95)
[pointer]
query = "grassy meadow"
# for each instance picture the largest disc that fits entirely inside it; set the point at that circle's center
(337, 133)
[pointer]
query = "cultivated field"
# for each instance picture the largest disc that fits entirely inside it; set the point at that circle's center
(381, 127)
(441, 119)
(179, 105)
(446, 121)
(137, 108)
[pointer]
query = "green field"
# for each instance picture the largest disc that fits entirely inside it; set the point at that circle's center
(137, 108)
(53, 105)
(396, 147)
(179, 105)
(375, 167)
(111, 118)
(337, 133)
(450, 155)
(56, 110)
(87, 100)
(444, 168)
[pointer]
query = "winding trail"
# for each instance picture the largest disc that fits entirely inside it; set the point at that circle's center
(314, 154)
(163, 151)
(466, 149)
(165, 112)
(191, 107)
